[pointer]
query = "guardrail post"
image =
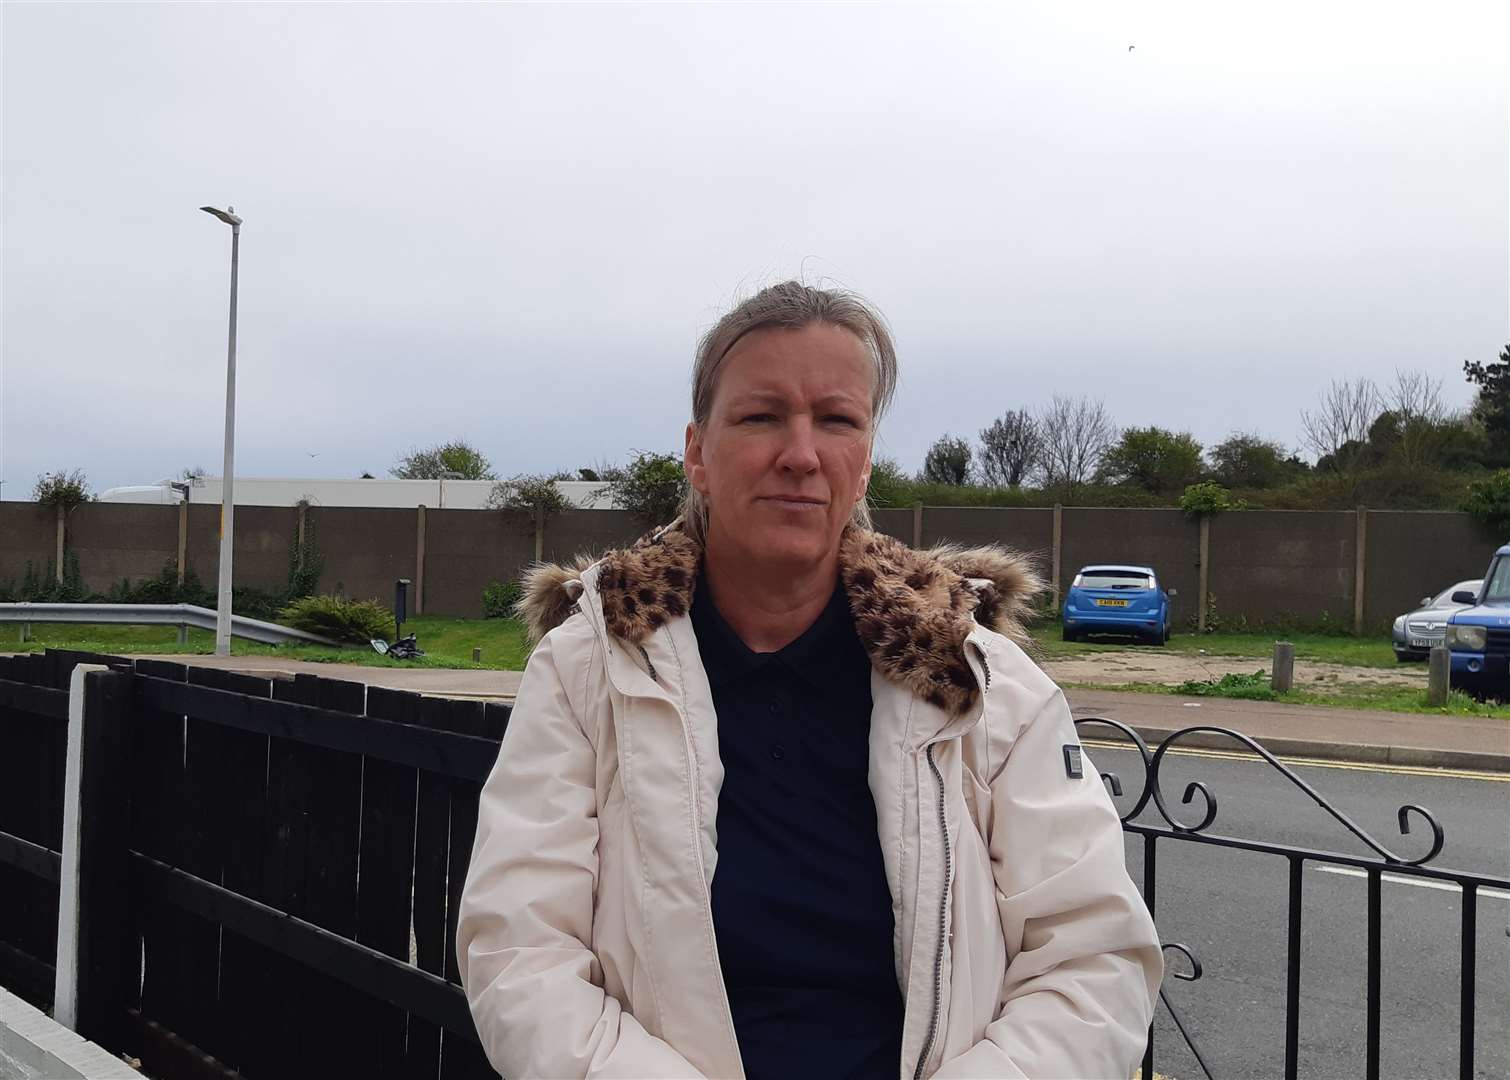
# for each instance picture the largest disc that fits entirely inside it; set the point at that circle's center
(1282, 678)
(1439, 667)
(96, 958)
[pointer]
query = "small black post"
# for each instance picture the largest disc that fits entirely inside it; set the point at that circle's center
(107, 954)
(400, 603)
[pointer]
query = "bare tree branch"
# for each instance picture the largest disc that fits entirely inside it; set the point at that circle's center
(1076, 433)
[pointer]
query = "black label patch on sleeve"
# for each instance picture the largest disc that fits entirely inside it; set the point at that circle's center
(1072, 766)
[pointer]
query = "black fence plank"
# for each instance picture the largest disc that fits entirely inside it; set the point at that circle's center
(108, 958)
(33, 752)
(386, 861)
(340, 1039)
(249, 990)
(159, 827)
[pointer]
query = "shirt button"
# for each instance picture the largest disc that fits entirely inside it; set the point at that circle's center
(778, 752)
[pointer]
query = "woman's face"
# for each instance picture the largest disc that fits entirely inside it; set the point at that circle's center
(785, 453)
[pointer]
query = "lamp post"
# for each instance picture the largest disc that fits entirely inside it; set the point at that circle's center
(228, 477)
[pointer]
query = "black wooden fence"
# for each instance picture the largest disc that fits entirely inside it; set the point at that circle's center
(271, 867)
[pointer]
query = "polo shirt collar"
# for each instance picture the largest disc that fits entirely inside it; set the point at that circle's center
(726, 657)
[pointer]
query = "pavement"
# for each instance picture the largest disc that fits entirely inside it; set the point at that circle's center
(1363, 735)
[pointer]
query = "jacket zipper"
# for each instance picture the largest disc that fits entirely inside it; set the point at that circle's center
(938, 958)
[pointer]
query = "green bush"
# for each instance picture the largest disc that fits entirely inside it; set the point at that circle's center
(1208, 497)
(500, 598)
(1489, 501)
(534, 492)
(1253, 687)
(355, 621)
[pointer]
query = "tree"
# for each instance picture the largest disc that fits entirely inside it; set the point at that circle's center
(652, 485)
(1414, 400)
(1246, 460)
(62, 488)
(1492, 409)
(1154, 459)
(535, 492)
(947, 462)
(452, 460)
(1077, 432)
(1009, 449)
(889, 485)
(1337, 429)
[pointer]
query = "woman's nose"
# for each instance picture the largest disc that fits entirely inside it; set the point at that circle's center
(800, 454)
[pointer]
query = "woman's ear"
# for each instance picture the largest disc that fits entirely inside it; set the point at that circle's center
(692, 461)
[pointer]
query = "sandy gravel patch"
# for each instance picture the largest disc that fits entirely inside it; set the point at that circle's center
(1152, 665)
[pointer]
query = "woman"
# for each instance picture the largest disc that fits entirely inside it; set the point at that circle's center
(781, 796)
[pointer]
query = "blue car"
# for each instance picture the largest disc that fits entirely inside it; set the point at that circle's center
(1117, 600)
(1479, 636)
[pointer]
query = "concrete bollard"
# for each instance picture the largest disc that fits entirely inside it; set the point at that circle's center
(476, 654)
(1437, 671)
(1283, 678)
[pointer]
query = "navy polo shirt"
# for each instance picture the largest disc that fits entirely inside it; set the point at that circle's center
(801, 907)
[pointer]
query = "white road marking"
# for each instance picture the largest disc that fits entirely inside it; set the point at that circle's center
(1422, 883)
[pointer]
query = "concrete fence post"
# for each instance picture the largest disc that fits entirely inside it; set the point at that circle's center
(1438, 675)
(183, 539)
(1058, 551)
(1203, 599)
(917, 526)
(539, 534)
(1359, 549)
(1282, 677)
(419, 560)
(62, 530)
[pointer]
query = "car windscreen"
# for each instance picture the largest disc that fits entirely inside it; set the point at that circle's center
(1112, 579)
(1497, 584)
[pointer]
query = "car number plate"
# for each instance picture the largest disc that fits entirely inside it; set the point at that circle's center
(1112, 603)
(1421, 643)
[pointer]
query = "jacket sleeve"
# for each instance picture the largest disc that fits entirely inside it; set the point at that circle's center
(526, 914)
(1084, 959)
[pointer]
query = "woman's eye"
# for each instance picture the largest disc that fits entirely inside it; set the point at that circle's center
(758, 418)
(838, 419)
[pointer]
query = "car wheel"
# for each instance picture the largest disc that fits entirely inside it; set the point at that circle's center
(1071, 635)
(1164, 637)
(1402, 657)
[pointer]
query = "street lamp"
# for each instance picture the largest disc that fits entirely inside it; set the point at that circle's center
(227, 498)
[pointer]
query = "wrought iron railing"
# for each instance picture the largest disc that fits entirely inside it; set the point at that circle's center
(1383, 859)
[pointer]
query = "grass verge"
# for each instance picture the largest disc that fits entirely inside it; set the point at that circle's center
(448, 643)
(1332, 649)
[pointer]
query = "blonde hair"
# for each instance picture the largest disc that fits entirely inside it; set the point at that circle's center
(790, 306)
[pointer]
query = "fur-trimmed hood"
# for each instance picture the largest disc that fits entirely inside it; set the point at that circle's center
(912, 609)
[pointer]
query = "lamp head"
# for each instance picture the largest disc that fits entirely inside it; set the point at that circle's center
(227, 215)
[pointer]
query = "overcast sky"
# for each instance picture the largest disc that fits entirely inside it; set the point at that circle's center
(511, 223)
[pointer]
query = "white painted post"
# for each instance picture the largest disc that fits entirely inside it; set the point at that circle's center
(65, 1009)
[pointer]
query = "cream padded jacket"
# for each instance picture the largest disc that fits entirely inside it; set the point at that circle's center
(585, 935)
